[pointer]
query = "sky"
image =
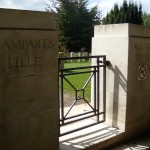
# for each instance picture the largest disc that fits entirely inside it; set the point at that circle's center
(39, 5)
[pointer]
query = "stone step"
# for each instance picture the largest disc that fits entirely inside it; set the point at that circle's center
(92, 138)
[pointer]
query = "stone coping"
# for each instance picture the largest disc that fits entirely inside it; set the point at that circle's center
(23, 19)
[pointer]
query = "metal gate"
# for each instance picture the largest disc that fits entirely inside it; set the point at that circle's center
(95, 67)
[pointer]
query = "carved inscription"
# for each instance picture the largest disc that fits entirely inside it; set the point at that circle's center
(22, 62)
(141, 46)
(26, 44)
(17, 61)
(142, 52)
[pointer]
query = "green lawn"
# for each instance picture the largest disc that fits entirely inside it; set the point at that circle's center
(78, 81)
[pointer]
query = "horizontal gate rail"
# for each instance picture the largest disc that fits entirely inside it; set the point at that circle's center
(96, 71)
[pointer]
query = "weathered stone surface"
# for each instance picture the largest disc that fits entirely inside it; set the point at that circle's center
(127, 47)
(29, 117)
(27, 52)
(112, 41)
(24, 19)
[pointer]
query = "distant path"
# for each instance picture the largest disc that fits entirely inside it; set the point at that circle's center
(69, 99)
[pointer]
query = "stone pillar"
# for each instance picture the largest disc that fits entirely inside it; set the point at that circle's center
(29, 118)
(138, 87)
(127, 47)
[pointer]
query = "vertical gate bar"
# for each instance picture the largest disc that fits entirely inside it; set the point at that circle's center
(95, 109)
(62, 97)
(98, 77)
(58, 95)
(104, 87)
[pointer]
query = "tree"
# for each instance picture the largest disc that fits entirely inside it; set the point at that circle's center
(127, 13)
(140, 15)
(75, 23)
(116, 13)
(146, 19)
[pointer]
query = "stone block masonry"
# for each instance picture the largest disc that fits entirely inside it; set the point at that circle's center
(127, 47)
(29, 116)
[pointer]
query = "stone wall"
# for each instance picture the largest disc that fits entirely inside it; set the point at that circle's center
(29, 118)
(138, 102)
(127, 47)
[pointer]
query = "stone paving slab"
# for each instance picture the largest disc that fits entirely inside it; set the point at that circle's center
(98, 136)
(140, 143)
(91, 138)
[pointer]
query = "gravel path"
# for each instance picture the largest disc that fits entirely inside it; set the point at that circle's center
(69, 99)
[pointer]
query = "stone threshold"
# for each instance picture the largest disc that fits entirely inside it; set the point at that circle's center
(96, 137)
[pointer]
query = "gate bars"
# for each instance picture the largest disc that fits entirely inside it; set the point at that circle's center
(98, 109)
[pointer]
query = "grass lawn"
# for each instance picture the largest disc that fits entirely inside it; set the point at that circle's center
(78, 80)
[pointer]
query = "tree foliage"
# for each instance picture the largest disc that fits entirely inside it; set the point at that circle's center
(146, 19)
(75, 23)
(126, 13)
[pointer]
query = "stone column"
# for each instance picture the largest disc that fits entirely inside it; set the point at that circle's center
(29, 118)
(127, 47)
(112, 41)
(138, 87)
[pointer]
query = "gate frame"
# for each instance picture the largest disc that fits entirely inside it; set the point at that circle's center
(100, 63)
